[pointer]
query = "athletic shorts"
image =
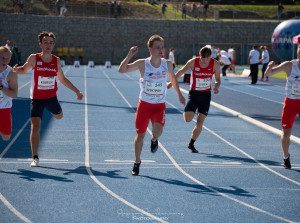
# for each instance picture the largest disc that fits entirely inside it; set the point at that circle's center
(5, 121)
(146, 112)
(290, 110)
(38, 105)
(198, 100)
(232, 62)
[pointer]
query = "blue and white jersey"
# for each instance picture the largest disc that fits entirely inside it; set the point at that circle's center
(5, 101)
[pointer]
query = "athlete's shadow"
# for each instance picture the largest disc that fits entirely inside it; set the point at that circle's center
(204, 189)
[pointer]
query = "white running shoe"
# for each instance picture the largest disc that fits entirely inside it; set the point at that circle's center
(35, 163)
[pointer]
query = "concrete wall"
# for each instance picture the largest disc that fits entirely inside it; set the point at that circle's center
(110, 39)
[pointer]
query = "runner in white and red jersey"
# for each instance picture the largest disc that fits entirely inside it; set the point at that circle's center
(203, 68)
(154, 72)
(8, 91)
(46, 68)
(291, 103)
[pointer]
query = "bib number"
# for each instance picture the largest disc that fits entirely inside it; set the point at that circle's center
(202, 84)
(154, 90)
(296, 90)
(46, 83)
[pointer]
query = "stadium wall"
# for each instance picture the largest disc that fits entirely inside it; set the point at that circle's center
(110, 39)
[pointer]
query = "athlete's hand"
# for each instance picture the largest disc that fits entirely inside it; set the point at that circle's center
(216, 90)
(169, 85)
(182, 99)
(271, 64)
(133, 50)
(15, 69)
(79, 95)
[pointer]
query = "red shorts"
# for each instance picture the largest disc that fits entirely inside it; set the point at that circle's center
(5, 121)
(290, 110)
(232, 62)
(146, 112)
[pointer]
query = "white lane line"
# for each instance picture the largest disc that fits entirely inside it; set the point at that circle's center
(210, 188)
(12, 209)
(87, 154)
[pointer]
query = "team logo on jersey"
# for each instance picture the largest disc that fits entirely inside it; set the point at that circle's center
(197, 69)
(164, 72)
(39, 63)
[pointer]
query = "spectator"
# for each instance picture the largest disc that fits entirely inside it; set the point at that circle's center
(15, 59)
(183, 10)
(163, 9)
(265, 61)
(119, 9)
(194, 10)
(223, 57)
(200, 11)
(280, 9)
(253, 60)
(16, 6)
(232, 55)
(58, 5)
(7, 44)
(172, 57)
(63, 9)
(112, 9)
(21, 5)
(205, 10)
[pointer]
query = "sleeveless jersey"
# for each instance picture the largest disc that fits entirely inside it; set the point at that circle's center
(154, 83)
(292, 87)
(43, 81)
(5, 101)
(201, 78)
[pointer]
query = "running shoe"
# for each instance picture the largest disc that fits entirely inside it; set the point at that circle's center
(287, 163)
(261, 79)
(192, 147)
(35, 162)
(136, 169)
(154, 146)
(266, 80)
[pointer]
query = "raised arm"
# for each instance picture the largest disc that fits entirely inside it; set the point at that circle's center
(174, 82)
(285, 66)
(65, 81)
(30, 64)
(125, 66)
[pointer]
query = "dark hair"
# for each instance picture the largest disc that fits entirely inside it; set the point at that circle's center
(205, 52)
(153, 39)
(44, 33)
(171, 49)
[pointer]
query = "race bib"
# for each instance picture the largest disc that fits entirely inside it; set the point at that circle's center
(1, 95)
(296, 90)
(202, 84)
(154, 90)
(46, 83)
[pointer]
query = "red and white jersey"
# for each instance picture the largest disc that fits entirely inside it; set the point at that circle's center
(43, 81)
(201, 78)
(5, 101)
(292, 87)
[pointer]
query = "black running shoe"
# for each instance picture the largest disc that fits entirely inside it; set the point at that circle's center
(136, 169)
(287, 163)
(154, 146)
(192, 147)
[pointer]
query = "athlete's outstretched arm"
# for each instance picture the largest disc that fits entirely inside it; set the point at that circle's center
(65, 81)
(217, 77)
(188, 66)
(174, 82)
(125, 66)
(285, 66)
(30, 64)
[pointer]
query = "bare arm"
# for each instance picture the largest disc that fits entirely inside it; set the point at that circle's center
(174, 82)
(125, 66)
(217, 76)
(285, 66)
(65, 81)
(30, 64)
(12, 90)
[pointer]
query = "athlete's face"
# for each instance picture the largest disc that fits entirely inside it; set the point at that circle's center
(205, 60)
(157, 48)
(47, 44)
(4, 58)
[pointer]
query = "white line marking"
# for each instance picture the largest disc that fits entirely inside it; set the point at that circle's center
(209, 188)
(221, 163)
(12, 209)
(87, 156)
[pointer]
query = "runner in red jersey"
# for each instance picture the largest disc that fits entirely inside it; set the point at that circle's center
(203, 68)
(46, 68)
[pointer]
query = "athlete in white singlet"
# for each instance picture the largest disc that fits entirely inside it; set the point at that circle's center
(46, 68)
(203, 68)
(291, 103)
(154, 72)
(8, 91)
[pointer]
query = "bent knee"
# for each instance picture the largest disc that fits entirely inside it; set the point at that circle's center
(59, 116)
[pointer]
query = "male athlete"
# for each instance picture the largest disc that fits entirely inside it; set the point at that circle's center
(45, 68)
(8, 91)
(154, 71)
(203, 68)
(291, 105)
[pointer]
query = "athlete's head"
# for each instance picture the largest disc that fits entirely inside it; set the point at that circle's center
(5, 56)
(156, 45)
(205, 54)
(263, 47)
(46, 41)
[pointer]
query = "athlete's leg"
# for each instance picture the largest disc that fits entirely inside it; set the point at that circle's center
(138, 146)
(59, 116)
(5, 137)
(198, 128)
(285, 141)
(35, 135)
(188, 116)
(157, 130)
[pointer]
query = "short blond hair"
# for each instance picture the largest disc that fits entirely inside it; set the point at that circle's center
(154, 38)
(5, 49)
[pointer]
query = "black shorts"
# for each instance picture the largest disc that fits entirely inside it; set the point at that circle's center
(198, 100)
(37, 106)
